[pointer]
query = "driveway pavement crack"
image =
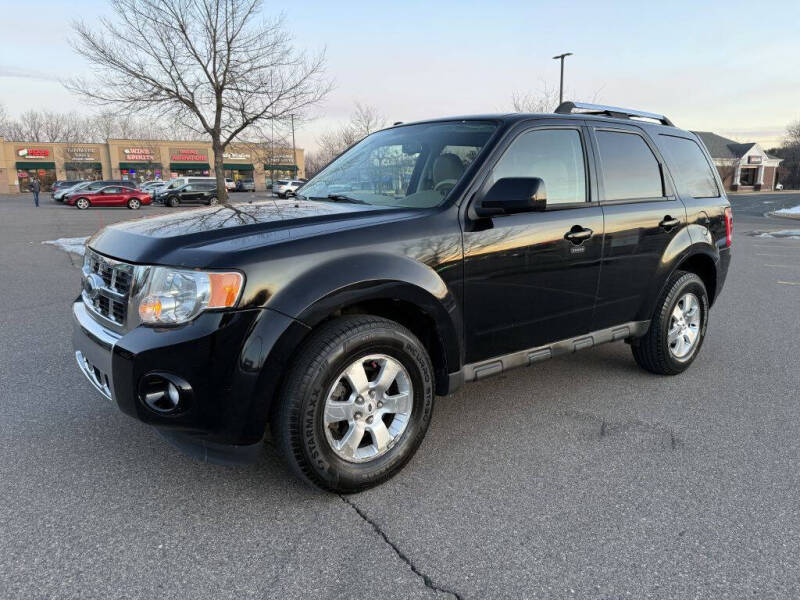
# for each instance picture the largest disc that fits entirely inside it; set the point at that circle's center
(425, 578)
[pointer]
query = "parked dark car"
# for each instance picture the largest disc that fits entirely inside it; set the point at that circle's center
(245, 185)
(191, 193)
(109, 195)
(461, 249)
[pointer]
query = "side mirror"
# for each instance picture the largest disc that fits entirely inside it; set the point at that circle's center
(512, 195)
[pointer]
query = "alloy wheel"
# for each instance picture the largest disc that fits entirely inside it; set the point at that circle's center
(368, 408)
(684, 327)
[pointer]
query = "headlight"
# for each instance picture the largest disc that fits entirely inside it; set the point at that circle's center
(173, 296)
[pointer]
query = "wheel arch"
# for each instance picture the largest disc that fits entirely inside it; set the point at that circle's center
(404, 303)
(704, 266)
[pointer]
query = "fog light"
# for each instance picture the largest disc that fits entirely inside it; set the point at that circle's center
(164, 393)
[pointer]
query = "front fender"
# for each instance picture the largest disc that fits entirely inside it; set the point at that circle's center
(333, 285)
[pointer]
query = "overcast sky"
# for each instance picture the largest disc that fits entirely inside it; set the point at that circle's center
(724, 66)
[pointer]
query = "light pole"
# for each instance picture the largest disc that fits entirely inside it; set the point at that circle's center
(561, 86)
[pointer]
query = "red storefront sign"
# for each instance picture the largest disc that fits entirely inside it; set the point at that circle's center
(33, 152)
(186, 155)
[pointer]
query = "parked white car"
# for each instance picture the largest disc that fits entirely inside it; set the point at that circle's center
(230, 184)
(284, 188)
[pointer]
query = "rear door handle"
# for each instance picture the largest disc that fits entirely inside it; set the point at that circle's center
(578, 234)
(668, 223)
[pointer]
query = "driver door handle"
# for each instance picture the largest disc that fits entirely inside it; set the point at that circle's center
(578, 234)
(668, 223)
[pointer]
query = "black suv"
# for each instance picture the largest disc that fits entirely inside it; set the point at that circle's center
(191, 193)
(426, 256)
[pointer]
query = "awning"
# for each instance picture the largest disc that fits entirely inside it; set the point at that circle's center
(190, 165)
(35, 165)
(76, 166)
(139, 165)
(237, 166)
(280, 167)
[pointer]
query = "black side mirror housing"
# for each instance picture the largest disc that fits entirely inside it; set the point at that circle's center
(512, 195)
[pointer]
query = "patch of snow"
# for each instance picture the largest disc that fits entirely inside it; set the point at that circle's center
(791, 234)
(74, 245)
(795, 210)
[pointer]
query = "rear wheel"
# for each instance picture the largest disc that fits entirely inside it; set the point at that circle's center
(355, 405)
(82, 203)
(677, 328)
(134, 203)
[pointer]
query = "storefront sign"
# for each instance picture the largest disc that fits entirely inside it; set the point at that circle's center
(138, 154)
(753, 160)
(81, 154)
(187, 155)
(236, 156)
(33, 153)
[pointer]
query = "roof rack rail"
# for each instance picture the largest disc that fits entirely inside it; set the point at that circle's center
(567, 108)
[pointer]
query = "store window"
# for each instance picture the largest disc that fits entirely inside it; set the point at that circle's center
(84, 171)
(748, 176)
(46, 178)
(140, 173)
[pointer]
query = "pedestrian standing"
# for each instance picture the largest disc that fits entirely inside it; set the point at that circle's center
(35, 187)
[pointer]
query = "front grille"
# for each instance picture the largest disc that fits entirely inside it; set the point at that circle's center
(107, 286)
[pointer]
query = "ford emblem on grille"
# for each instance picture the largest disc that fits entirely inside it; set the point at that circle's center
(92, 285)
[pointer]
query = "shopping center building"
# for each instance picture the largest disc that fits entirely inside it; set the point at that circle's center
(140, 160)
(743, 167)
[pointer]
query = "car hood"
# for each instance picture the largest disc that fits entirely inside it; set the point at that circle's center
(200, 237)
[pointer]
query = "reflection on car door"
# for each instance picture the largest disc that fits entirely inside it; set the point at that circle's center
(109, 196)
(525, 283)
(642, 215)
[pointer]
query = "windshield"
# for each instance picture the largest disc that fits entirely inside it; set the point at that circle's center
(412, 166)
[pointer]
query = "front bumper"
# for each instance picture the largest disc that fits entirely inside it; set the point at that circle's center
(224, 356)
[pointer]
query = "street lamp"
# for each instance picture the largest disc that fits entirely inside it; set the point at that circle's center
(561, 86)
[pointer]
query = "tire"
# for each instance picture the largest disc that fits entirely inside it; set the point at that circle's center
(82, 203)
(665, 354)
(212, 201)
(298, 421)
(134, 203)
(173, 202)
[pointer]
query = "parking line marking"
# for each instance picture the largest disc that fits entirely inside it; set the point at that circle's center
(773, 246)
(776, 255)
(789, 282)
(784, 266)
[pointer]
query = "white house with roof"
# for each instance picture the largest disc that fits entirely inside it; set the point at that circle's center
(742, 166)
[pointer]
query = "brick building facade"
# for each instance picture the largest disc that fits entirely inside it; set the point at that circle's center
(742, 166)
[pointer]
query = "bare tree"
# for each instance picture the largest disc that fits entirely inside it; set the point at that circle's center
(364, 120)
(212, 65)
(543, 101)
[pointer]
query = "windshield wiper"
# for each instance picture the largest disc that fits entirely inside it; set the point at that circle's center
(339, 198)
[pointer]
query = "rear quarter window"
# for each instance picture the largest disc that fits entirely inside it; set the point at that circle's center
(689, 166)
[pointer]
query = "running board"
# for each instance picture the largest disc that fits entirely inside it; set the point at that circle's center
(525, 358)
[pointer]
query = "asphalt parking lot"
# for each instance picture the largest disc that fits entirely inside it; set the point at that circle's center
(584, 477)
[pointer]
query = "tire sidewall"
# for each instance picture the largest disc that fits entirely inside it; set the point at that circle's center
(82, 203)
(134, 204)
(689, 283)
(173, 202)
(334, 471)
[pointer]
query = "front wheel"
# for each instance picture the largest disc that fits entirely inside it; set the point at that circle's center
(677, 329)
(134, 203)
(82, 203)
(356, 404)
(173, 202)
(212, 201)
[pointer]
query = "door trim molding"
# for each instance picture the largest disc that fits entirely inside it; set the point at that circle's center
(525, 358)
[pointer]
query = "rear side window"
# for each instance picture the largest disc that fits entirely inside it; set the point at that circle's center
(630, 170)
(553, 155)
(690, 167)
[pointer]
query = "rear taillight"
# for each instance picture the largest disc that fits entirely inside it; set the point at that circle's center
(728, 226)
